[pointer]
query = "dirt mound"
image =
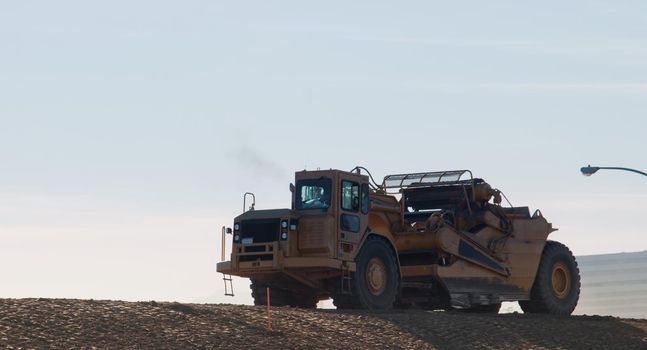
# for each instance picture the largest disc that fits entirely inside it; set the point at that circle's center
(65, 323)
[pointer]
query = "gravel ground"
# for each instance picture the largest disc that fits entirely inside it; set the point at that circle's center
(102, 324)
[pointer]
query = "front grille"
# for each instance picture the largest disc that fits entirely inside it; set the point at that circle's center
(255, 257)
(261, 231)
(256, 248)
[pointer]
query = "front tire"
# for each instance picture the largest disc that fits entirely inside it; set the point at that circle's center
(377, 278)
(556, 289)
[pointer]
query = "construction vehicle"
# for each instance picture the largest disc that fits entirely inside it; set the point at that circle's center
(431, 240)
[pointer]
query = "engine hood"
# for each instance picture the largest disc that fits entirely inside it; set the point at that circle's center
(264, 214)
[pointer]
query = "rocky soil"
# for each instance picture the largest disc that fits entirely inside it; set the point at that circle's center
(102, 324)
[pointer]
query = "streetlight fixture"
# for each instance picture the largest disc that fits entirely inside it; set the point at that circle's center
(590, 170)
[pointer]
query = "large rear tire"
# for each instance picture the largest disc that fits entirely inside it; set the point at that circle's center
(376, 282)
(556, 289)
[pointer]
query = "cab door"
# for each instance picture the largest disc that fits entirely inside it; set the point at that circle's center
(353, 214)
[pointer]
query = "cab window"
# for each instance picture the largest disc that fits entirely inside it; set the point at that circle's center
(349, 222)
(349, 195)
(313, 194)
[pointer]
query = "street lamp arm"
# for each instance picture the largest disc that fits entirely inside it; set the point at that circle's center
(627, 169)
(590, 170)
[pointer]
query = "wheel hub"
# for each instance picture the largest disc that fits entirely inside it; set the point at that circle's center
(561, 280)
(376, 276)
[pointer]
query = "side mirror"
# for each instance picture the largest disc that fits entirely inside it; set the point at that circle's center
(228, 230)
(292, 189)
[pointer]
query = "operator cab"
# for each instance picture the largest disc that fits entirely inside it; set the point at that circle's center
(332, 209)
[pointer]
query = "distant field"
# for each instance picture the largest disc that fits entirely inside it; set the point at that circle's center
(67, 323)
(614, 284)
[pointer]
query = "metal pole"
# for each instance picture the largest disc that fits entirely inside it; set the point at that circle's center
(269, 319)
(222, 254)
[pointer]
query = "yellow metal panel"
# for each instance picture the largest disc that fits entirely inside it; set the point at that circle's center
(417, 270)
(311, 262)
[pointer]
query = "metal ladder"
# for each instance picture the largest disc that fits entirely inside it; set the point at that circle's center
(229, 287)
(346, 280)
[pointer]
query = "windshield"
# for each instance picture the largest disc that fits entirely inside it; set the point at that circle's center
(313, 194)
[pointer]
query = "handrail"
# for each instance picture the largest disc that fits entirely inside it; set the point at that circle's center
(416, 178)
(372, 182)
(245, 199)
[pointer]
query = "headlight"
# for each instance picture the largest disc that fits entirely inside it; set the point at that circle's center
(236, 226)
(236, 238)
(284, 235)
(284, 224)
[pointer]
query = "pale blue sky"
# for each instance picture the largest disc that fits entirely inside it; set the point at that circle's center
(129, 130)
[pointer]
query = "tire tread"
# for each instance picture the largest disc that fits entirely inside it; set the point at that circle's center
(541, 297)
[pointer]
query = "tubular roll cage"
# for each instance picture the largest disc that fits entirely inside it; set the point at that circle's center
(403, 181)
